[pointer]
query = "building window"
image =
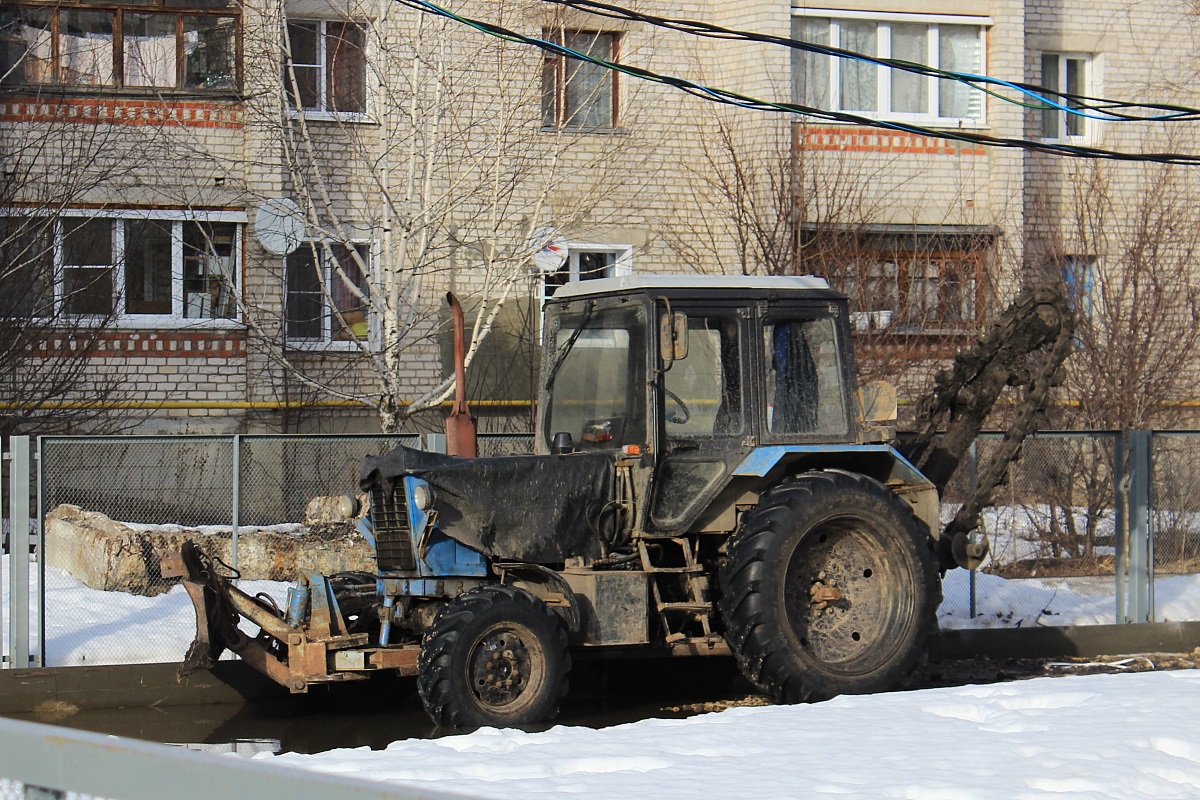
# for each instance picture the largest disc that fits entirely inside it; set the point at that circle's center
(905, 281)
(859, 87)
(327, 293)
(578, 94)
(158, 44)
(1070, 74)
(27, 267)
(328, 60)
(1078, 274)
(137, 269)
(587, 262)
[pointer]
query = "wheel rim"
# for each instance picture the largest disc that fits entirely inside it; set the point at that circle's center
(505, 667)
(848, 597)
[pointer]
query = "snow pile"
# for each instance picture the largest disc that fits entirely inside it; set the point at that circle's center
(1101, 736)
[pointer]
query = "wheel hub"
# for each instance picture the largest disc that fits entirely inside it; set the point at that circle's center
(500, 668)
(837, 596)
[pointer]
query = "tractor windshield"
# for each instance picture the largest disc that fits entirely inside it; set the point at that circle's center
(595, 375)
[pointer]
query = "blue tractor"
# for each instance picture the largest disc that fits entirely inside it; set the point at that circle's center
(708, 481)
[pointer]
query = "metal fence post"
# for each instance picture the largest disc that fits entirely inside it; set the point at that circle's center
(1150, 610)
(237, 498)
(1139, 527)
(435, 442)
(973, 478)
(1120, 529)
(18, 552)
(40, 529)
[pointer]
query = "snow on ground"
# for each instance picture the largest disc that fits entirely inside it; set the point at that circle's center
(1129, 736)
(85, 626)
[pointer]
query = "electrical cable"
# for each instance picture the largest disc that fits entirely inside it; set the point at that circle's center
(1104, 109)
(728, 97)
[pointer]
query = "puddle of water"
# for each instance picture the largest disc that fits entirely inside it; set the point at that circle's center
(377, 712)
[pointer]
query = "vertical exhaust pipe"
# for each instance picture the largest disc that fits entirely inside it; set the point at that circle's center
(460, 425)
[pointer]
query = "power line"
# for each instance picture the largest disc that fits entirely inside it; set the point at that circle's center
(737, 99)
(1083, 105)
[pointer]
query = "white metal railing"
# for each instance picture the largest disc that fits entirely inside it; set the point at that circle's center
(44, 761)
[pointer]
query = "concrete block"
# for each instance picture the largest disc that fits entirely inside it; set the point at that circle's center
(112, 556)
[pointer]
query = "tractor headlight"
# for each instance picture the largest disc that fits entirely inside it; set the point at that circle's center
(422, 496)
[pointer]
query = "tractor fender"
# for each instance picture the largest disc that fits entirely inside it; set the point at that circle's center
(773, 463)
(545, 584)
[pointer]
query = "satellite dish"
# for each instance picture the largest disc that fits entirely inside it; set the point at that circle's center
(549, 249)
(279, 225)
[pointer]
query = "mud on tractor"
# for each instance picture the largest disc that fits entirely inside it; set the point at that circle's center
(708, 481)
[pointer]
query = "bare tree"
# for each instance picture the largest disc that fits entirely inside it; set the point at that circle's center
(447, 168)
(1126, 255)
(53, 318)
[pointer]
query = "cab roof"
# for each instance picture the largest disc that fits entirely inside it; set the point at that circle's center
(730, 285)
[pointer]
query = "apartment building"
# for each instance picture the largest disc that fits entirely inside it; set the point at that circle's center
(226, 216)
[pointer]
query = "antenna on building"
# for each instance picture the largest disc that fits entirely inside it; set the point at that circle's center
(549, 249)
(279, 225)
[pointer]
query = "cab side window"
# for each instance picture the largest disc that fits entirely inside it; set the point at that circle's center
(703, 394)
(803, 389)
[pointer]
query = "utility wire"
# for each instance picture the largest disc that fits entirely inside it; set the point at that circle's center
(1079, 105)
(729, 97)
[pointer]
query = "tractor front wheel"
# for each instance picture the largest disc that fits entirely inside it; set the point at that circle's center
(830, 587)
(496, 655)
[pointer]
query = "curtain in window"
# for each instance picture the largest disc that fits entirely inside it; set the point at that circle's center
(910, 92)
(85, 48)
(589, 97)
(352, 309)
(149, 46)
(346, 43)
(810, 72)
(27, 48)
(859, 78)
(959, 52)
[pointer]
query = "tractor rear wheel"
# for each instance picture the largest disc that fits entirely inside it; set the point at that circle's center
(830, 587)
(496, 655)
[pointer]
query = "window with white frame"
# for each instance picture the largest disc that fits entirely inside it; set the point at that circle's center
(329, 65)
(327, 293)
(860, 87)
(139, 269)
(1070, 73)
(586, 262)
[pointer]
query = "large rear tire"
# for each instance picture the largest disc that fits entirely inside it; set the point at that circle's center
(830, 587)
(496, 655)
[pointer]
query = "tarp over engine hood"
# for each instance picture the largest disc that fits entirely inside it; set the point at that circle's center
(537, 509)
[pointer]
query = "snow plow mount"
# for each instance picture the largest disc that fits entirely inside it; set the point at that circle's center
(293, 649)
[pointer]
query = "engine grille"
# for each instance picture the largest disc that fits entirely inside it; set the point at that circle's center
(393, 533)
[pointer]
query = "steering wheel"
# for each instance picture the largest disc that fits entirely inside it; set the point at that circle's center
(684, 414)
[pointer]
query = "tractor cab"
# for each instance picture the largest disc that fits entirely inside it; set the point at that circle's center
(690, 380)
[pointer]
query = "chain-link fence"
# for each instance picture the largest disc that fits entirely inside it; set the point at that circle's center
(1055, 535)
(1067, 544)
(113, 506)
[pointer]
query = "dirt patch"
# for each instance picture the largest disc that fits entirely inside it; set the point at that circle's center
(987, 670)
(1055, 567)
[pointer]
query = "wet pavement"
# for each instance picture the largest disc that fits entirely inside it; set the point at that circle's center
(386, 709)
